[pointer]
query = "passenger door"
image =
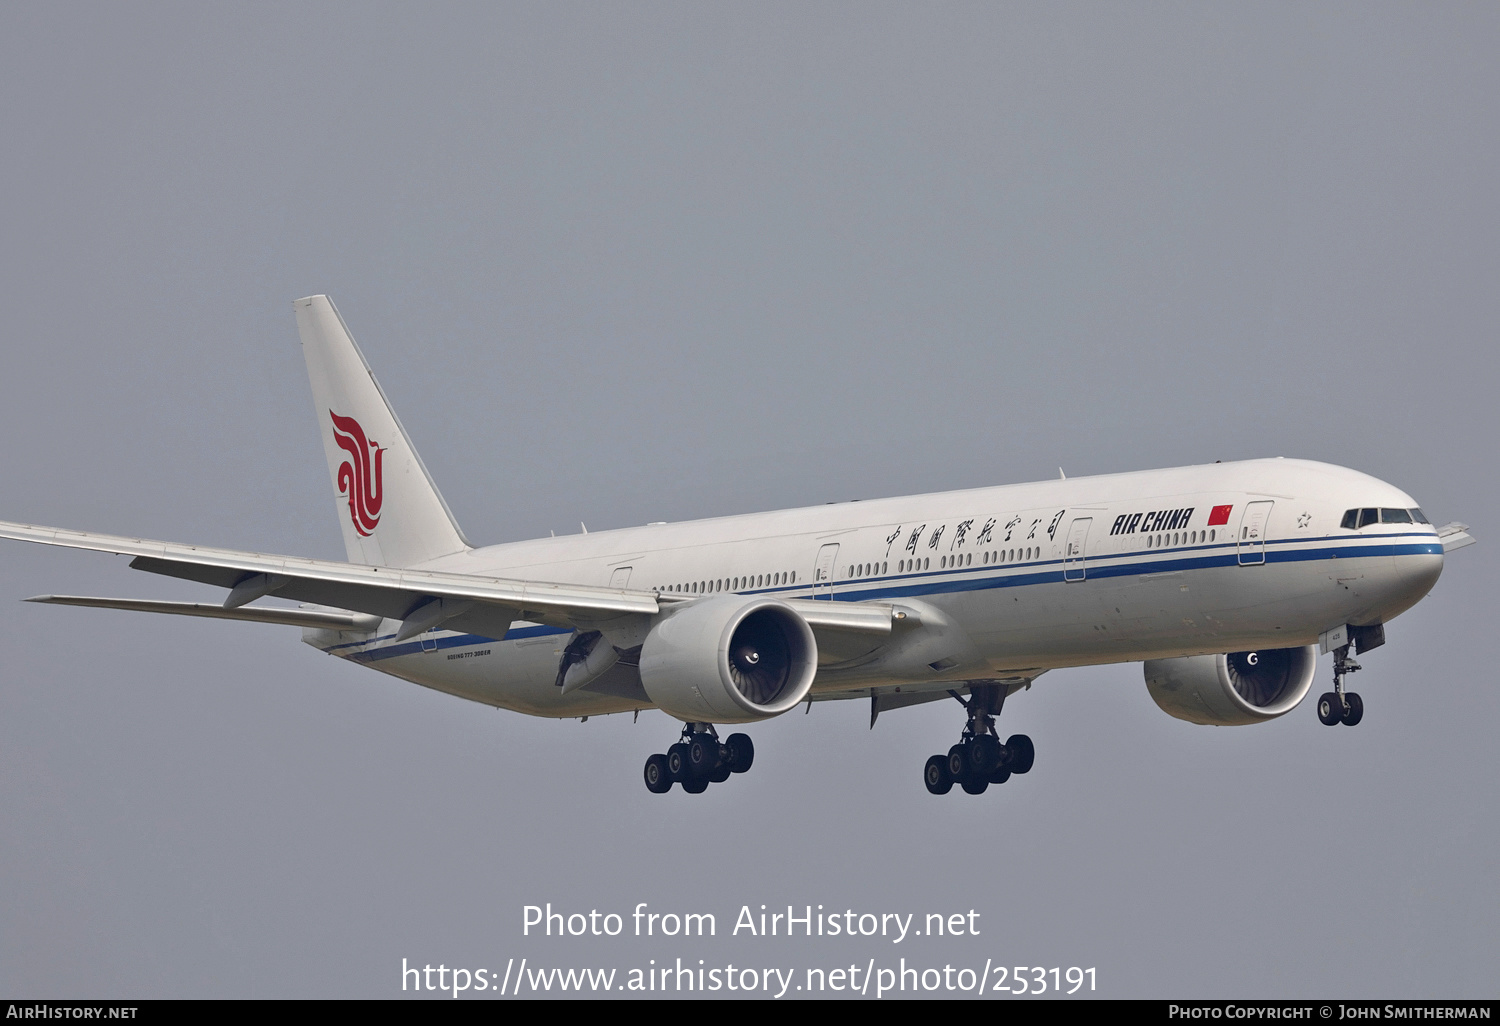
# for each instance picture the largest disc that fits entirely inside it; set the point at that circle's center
(1078, 536)
(1252, 539)
(823, 571)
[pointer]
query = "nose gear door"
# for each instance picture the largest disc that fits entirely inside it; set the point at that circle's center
(1252, 539)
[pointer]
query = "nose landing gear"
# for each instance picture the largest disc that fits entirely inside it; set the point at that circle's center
(699, 759)
(1340, 706)
(979, 759)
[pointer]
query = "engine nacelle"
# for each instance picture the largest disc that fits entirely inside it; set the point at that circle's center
(729, 660)
(1228, 690)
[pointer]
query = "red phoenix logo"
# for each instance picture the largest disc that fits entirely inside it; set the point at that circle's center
(355, 476)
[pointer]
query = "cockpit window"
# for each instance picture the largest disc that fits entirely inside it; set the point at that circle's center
(1364, 517)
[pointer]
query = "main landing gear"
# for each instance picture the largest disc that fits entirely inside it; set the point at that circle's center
(979, 759)
(698, 760)
(1340, 706)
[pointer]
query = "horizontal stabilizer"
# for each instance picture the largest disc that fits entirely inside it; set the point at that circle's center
(328, 619)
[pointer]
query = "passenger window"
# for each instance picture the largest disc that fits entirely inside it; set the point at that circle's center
(1368, 516)
(1395, 516)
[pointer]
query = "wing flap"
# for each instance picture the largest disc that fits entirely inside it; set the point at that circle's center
(328, 619)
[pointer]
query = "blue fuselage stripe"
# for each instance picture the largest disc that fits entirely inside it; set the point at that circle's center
(995, 575)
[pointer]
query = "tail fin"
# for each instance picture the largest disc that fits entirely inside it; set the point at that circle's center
(397, 521)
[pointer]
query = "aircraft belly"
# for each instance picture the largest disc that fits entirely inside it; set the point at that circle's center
(519, 675)
(1198, 611)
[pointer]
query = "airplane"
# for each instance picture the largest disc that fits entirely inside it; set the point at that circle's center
(1225, 580)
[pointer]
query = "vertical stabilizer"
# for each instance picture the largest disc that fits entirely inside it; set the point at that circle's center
(390, 511)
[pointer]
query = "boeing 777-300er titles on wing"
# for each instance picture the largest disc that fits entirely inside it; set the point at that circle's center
(1225, 580)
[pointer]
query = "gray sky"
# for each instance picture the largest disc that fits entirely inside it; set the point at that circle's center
(622, 263)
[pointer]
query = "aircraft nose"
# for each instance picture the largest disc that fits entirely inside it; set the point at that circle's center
(1413, 576)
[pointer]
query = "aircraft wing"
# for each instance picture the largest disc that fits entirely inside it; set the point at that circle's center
(326, 619)
(1455, 536)
(422, 599)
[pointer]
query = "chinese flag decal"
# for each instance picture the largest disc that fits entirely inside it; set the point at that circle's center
(1219, 515)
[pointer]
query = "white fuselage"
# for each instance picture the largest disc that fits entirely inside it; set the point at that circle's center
(1006, 581)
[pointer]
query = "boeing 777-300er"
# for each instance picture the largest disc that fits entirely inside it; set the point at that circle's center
(1225, 580)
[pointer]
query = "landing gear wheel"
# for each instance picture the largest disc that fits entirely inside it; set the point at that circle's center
(1020, 754)
(702, 755)
(979, 759)
(1354, 710)
(721, 773)
(677, 764)
(658, 779)
(697, 786)
(958, 762)
(741, 752)
(936, 775)
(1330, 709)
(984, 757)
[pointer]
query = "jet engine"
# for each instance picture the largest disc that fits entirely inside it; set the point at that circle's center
(1232, 689)
(729, 659)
